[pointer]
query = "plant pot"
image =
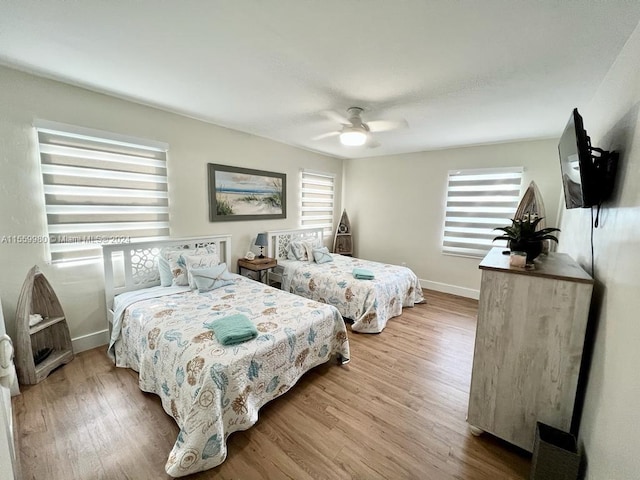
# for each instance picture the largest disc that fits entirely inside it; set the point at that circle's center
(532, 249)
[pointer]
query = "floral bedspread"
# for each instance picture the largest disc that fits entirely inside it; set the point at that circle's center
(212, 390)
(369, 303)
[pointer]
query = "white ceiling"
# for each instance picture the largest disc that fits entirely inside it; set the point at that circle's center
(461, 72)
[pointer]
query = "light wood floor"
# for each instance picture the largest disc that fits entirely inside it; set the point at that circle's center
(397, 411)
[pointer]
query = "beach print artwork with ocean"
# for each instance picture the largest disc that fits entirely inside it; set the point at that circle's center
(245, 194)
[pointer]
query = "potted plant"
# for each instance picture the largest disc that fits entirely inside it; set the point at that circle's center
(522, 236)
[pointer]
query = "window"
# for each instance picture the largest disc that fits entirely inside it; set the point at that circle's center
(100, 188)
(477, 202)
(317, 192)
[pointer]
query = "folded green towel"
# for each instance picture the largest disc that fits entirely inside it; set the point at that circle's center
(363, 274)
(233, 329)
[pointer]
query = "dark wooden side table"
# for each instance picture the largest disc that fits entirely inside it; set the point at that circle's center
(259, 265)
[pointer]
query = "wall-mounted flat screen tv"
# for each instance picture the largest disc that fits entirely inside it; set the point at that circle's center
(587, 172)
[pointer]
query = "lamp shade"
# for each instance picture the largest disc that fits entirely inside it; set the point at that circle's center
(261, 240)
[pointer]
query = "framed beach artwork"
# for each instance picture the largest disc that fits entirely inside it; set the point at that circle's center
(243, 194)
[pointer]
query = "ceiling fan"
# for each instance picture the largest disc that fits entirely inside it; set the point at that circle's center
(355, 132)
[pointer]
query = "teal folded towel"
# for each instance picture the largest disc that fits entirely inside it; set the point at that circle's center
(363, 274)
(233, 329)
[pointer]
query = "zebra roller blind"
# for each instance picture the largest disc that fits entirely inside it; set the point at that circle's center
(477, 202)
(317, 193)
(100, 190)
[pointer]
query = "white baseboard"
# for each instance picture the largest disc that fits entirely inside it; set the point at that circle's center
(452, 289)
(92, 340)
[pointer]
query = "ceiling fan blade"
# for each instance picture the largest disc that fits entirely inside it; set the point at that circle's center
(325, 135)
(386, 125)
(373, 143)
(336, 117)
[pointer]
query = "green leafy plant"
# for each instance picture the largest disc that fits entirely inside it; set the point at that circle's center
(525, 231)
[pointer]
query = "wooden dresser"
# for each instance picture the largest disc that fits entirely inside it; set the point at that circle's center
(528, 348)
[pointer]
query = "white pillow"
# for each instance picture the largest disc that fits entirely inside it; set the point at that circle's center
(211, 248)
(165, 272)
(199, 261)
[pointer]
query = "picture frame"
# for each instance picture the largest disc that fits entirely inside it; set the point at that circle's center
(237, 193)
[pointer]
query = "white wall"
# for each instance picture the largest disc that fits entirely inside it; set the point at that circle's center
(609, 428)
(396, 205)
(192, 144)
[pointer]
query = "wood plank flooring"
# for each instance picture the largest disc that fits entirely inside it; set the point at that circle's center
(396, 411)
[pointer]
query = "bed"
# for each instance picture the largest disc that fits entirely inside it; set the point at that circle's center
(368, 303)
(211, 390)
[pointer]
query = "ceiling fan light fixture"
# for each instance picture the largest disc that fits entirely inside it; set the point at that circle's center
(353, 137)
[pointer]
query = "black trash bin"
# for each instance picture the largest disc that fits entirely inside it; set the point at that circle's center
(555, 455)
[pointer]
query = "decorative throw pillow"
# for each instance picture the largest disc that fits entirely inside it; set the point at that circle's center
(199, 261)
(167, 255)
(176, 266)
(322, 255)
(178, 271)
(309, 245)
(302, 250)
(212, 277)
(297, 251)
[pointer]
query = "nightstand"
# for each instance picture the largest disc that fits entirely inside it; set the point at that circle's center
(259, 265)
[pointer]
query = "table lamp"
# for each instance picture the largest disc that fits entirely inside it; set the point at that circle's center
(261, 241)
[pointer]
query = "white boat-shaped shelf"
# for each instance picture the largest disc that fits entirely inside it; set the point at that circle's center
(342, 242)
(532, 205)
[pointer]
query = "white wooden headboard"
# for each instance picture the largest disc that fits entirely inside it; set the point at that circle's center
(279, 240)
(133, 266)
